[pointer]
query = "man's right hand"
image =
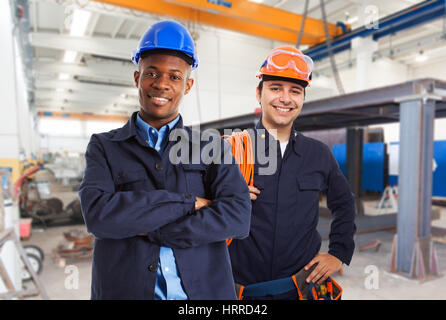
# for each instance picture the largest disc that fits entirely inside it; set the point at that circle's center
(201, 202)
(253, 192)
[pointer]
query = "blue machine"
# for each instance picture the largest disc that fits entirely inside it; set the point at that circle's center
(373, 165)
(373, 158)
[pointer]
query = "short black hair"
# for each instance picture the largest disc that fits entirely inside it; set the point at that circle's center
(189, 60)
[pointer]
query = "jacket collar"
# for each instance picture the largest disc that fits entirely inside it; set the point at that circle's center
(129, 129)
(295, 137)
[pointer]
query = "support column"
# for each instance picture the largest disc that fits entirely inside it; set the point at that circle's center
(363, 51)
(355, 142)
(413, 251)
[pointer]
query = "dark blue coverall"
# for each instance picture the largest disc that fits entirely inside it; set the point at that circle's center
(283, 236)
(129, 189)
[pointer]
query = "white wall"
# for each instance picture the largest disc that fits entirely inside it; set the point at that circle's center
(437, 70)
(25, 116)
(434, 69)
(392, 130)
(430, 69)
(385, 72)
(8, 107)
(73, 135)
(54, 144)
(17, 131)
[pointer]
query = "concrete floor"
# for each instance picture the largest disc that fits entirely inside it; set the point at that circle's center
(367, 277)
(60, 282)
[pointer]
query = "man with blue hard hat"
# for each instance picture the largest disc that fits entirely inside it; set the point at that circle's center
(160, 227)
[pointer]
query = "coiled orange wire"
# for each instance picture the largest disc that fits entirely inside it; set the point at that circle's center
(242, 151)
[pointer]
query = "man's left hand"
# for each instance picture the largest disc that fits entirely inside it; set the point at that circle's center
(327, 265)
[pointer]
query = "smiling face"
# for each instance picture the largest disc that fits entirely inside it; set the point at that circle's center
(162, 81)
(281, 103)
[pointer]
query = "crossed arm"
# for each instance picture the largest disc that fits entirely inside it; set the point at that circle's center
(168, 218)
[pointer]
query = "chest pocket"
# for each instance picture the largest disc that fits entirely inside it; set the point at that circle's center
(195, 179)
(132, 180)
(310, 186)
(309, 183)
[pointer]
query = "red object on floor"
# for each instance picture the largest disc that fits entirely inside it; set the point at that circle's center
(25, 227)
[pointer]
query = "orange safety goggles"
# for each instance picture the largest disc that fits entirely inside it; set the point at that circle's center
(287, 62)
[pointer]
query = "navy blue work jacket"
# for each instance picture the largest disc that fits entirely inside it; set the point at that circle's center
(130, 189)
(283, 236)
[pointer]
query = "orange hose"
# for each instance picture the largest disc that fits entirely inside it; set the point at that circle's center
(242, 151)
(243, 154)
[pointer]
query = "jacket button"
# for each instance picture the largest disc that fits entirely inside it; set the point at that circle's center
(159, 166)
(153, 267)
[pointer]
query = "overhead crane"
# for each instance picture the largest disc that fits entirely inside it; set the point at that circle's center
(237, 15)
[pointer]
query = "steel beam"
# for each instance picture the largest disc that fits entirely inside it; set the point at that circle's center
(108, 47)
(239, 122)
(376, 97)
(381, 104)
(117, 72)
(413, 252)
(91, 99)
(404, 19)
(242, 16)
(85, 87)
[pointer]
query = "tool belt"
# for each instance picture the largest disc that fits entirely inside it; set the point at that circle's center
(329, 290)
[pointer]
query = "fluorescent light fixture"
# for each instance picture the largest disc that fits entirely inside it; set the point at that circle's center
(64, 76)
(78, 27)
(420, 57)
(257, 1)
(69, 56)
(80, 22)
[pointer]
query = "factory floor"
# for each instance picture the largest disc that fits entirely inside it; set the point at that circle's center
(367, 277)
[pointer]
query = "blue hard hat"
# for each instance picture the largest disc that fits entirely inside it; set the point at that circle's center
(167, 34)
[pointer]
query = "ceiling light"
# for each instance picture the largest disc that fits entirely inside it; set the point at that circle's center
(78, 27)
(256, 1)
(80, 22)
(69, 56)
(64, 76)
